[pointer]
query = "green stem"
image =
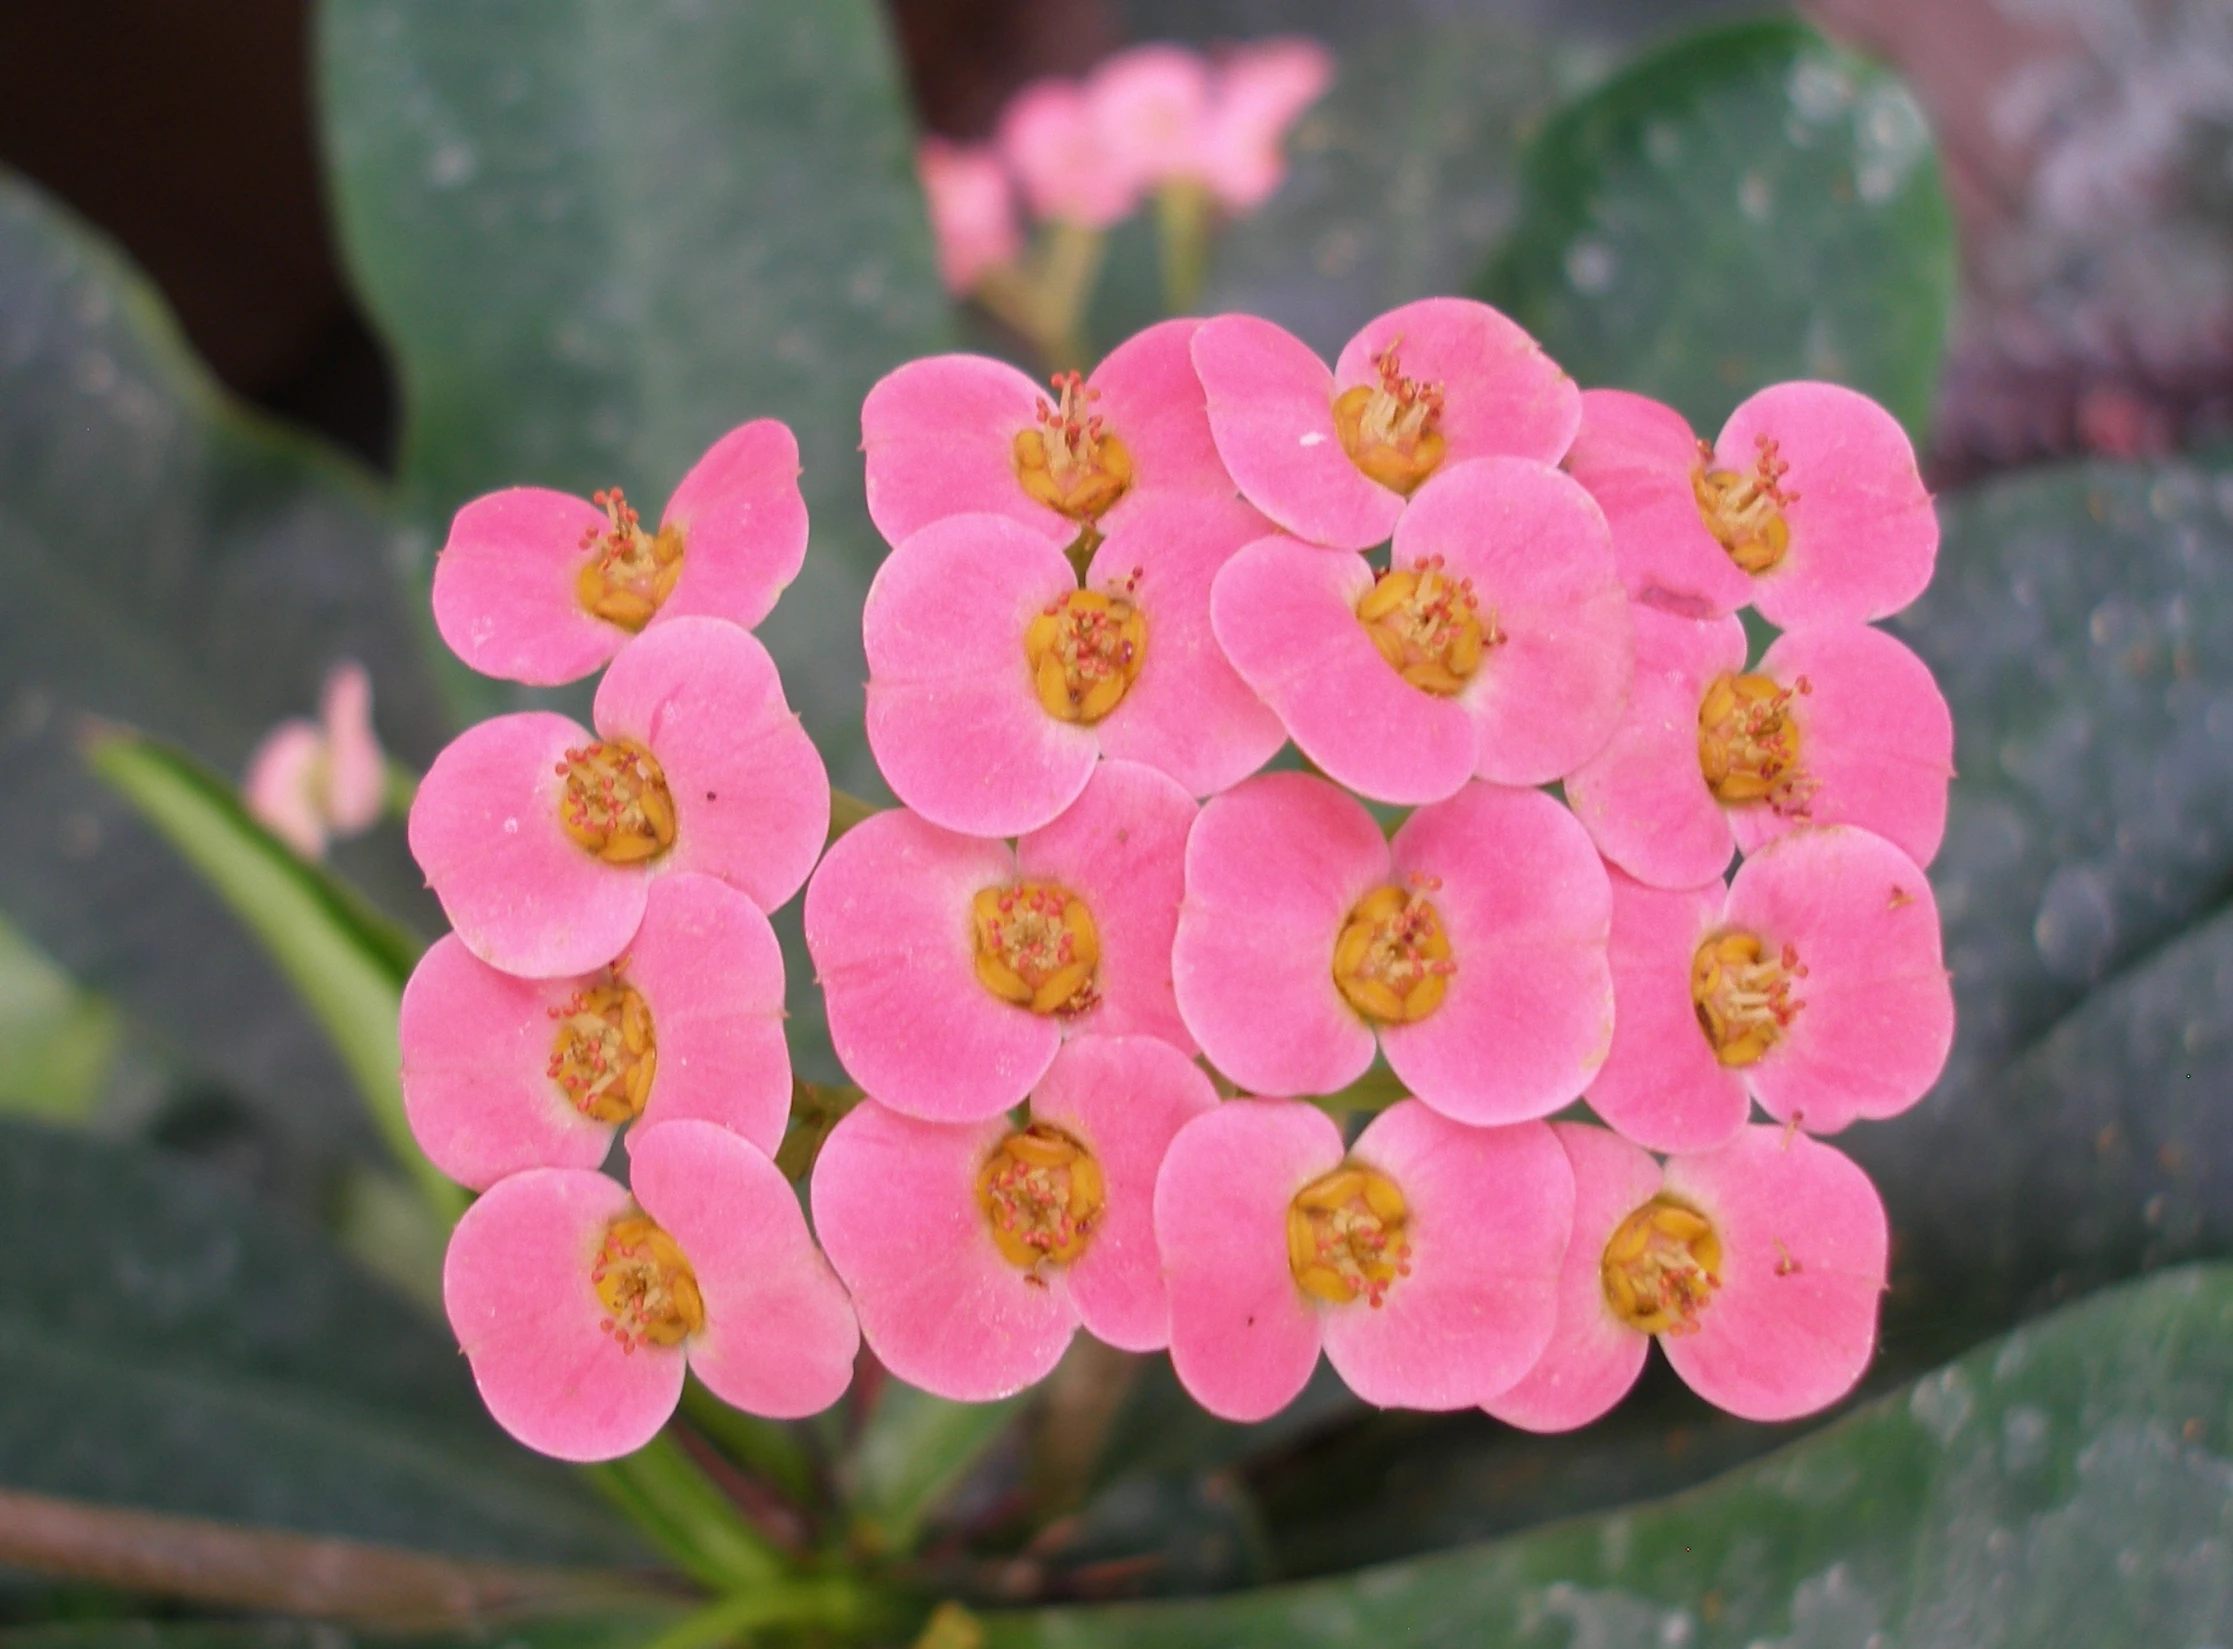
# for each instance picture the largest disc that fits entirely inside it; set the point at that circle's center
(1067, 271)
(661, 1490)
(400, 788)
(1376, 1090)
(846, 811)
(1184, 214)
(765, 1448)
(834, 1603)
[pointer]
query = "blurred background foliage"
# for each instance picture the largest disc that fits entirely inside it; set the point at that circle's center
(281, 285)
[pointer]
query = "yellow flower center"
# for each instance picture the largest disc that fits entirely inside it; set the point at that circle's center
(1070, 461)
(629, 573)
(1042, 1193)
(1345, 1236)
(1743, 995)
(1085, 652)
(604, 1056)
(1393, 960)
(1428, 626)
(1661, 1267)
(1748, 743)
(1744, 508)
(1037, 947)
(616, 803)
(648, 1290)
(1390, 429)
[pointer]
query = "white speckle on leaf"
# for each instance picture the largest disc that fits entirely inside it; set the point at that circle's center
(451, 164)
(1941, 1404)
(1755, 198)
(1591, 267)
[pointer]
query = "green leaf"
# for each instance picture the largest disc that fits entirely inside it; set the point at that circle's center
(346, 961)
(175, 563)
(179, 1349)
(619, 1629)
(56, 1041)
(596, 237)
(1750, 204)
(914, 1449)
(2066, 1485)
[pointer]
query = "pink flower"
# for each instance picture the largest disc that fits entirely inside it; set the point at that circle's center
(502, 1074)
(1471, 948)
(1758, 1265)
(309, 781)
(1331, 456)
(1262, 88)
(1809, 507)
(964, 435)
(578, 1305)
(954, 968)
(1150, 108)
(1836, 725)
(996, 684)
(972, 217)
(1813, 982)
(1498, 644)
(541, 841)
(543, 587)
(1422, 1260)
(974, 1250)
(1061, 156)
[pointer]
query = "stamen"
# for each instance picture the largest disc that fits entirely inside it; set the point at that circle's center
(649, 1292)
(604, 1056)
(1391, 430)
(1072, 462)
(1748, 743)
(1042, 1194)
(1744, 509)
(616, 802)
(1661, 1267)
(1428, 626)
(1345, 1236)
(1743, 995)
(1037, 947)
(1392, 961)
(630, 573)
(1085, 652)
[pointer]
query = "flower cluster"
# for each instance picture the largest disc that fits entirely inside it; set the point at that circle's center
(1108, 975)
(612, 966)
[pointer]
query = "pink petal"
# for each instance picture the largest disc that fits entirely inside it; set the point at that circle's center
(752, 799)
(779, 1336)
(522, 894)
(1271, 409)
(1878, 1019)
(517, 1288)
(888, 925)
(1661, 1085)
(1490, 1210)
(1124, 1099)
(743, 526)
(940, 437)
(954, 719)
(1874, 734)
(1262, 88)
(1151, 401)
(1244, 1336)
(1864, 538)
(1537, 551)
(1643, 797)
(1286, 616)
(1593, 1357)
(1804, 1248)
(504, 595)
(1121, 847)
(1502, 396)
(1064, 162)
(711, 972)
(280, 787)
(1528, 1015)
(476, 1090)
(356, 771)
(1273, 868)
(895, 1200)
(1638, 458)
(1189, 713)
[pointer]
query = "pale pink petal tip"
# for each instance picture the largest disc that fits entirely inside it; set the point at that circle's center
(280, 788)
(505, 588)
(517, 1286)
(1262, 88)
(1792, 1324)
(972, 213)
(1063, 159)
(356, 771)
(1637, 458)
(742, 522)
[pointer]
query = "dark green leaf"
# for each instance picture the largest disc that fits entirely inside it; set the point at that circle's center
(1749, 205)
(614, 1630)
(913, 1451)
(177, 1349)
(2070, 1484)
(173, 563)
(57, 1042)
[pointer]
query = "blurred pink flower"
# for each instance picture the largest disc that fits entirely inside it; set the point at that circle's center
(972, 211)
(1151, 107)
(1059, 154)
(1260, 90)
(310, 782)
